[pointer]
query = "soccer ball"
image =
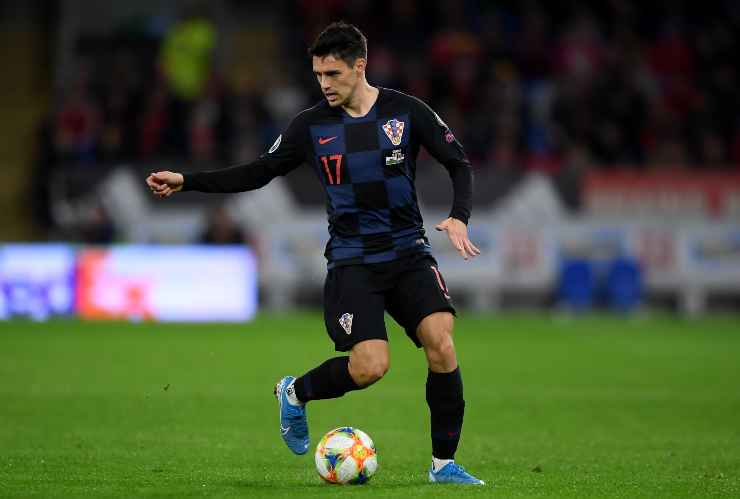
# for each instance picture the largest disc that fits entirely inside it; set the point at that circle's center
(346, 455)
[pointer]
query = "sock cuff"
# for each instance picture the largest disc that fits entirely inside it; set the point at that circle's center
(455, 373)
(445, 381)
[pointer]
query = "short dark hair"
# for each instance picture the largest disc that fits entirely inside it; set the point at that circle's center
(343, 41)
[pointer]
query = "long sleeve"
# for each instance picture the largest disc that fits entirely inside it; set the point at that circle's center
(436, 137)
(286, 154)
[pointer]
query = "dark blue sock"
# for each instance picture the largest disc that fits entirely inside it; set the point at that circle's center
(447, 408)
(327, 381)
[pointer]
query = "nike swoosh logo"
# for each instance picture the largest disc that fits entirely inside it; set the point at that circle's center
(284, 431)
(326, 140)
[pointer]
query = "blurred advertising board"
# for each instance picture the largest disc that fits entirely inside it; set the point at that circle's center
(657, 248)
(711, 256)
(179, 283)
(36, 280)
(527, 256)
(598, 242)
(663, 192)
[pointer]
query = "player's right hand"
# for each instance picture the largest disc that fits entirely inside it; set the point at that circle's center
(164, 184)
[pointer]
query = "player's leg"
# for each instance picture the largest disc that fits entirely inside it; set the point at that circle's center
(444, 388)
(421, 304)
(353, 314)
(444, 394)
(367, 362)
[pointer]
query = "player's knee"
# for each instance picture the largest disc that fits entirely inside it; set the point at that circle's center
(368, 362)
(377, 370)
(369, 371)
(440, 350)
(441, 344)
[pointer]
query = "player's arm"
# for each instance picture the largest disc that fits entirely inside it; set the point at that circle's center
(436, 137)
(286, 154)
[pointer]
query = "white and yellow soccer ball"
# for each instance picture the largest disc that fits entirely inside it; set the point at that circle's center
(346, 456)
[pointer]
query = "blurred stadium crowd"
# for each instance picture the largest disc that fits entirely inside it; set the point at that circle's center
(527, 86)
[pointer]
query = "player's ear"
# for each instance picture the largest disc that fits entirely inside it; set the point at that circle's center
(360, 64)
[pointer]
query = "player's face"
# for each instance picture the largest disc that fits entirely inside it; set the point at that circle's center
(336, 78)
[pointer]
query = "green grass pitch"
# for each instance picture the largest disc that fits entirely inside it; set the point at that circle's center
(590, 407)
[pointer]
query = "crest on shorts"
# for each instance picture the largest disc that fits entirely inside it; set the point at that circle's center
(394, 130)
(346, 322)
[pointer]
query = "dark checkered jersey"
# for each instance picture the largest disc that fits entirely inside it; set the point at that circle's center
(367, 166)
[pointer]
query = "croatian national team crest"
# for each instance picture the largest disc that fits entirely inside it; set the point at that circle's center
(346, 322)
(394, 130)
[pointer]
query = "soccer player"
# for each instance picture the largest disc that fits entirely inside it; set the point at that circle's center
(362, 142)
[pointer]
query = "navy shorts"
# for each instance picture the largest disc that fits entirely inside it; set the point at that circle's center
(356, 297)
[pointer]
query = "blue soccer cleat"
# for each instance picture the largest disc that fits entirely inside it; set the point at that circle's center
(453, 473)
(293, 423)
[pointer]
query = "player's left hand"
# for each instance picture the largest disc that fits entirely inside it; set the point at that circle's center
(457, 231)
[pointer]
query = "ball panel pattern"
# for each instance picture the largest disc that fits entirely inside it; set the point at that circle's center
(346, 455)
